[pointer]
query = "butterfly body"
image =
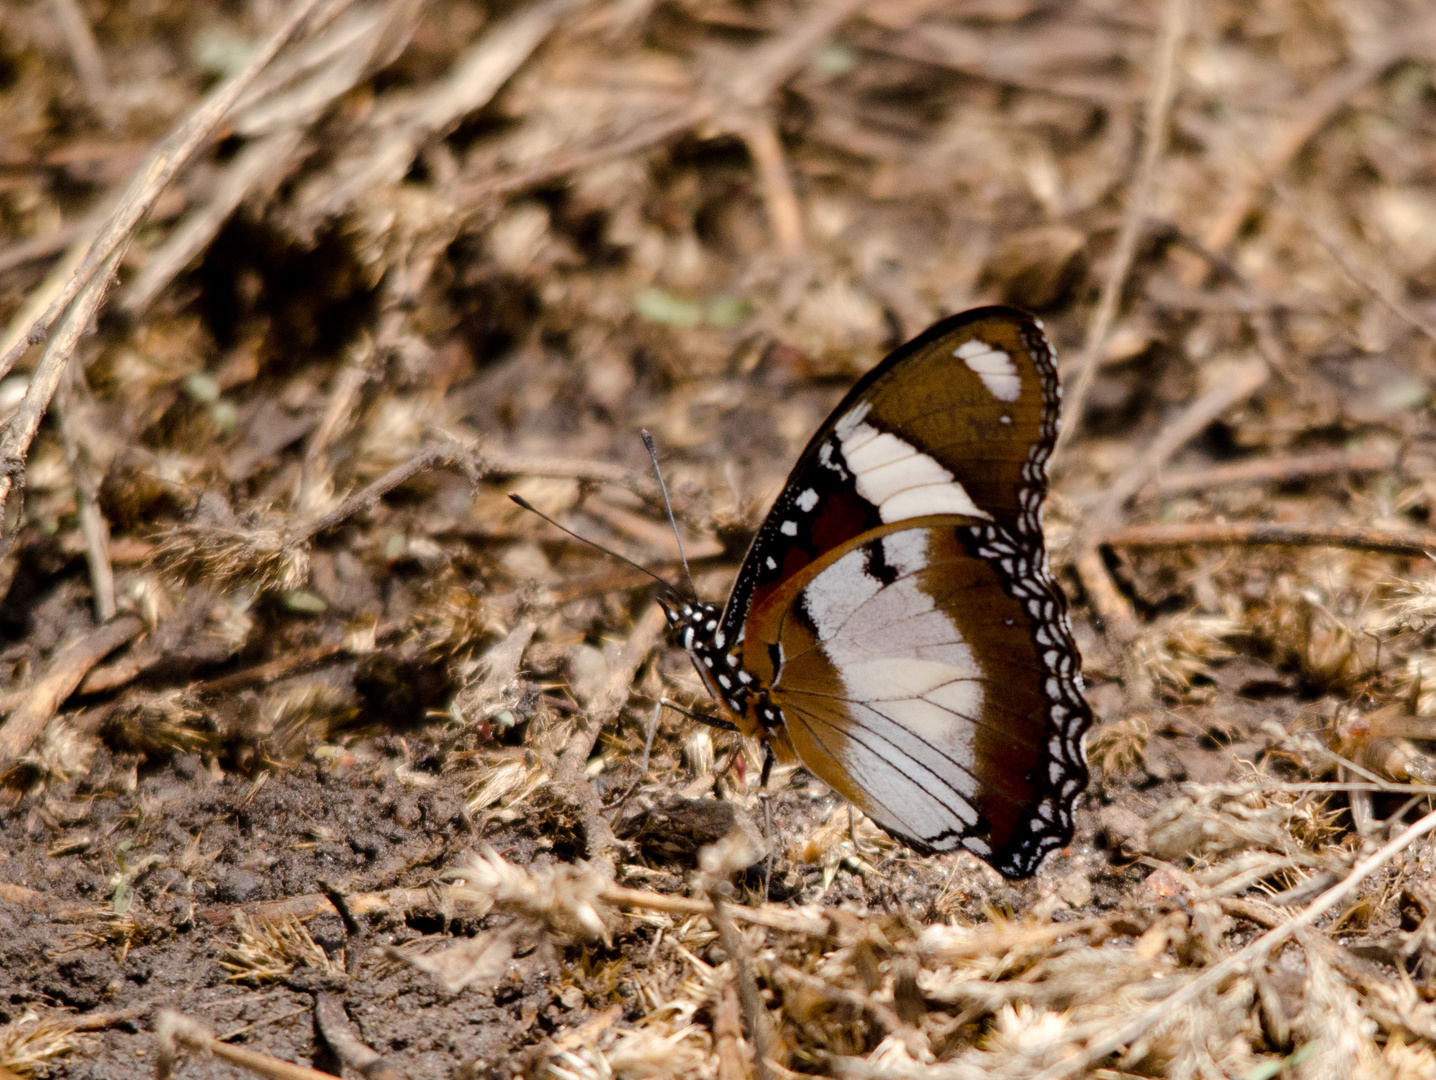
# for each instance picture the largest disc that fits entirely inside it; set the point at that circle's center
(894, 625)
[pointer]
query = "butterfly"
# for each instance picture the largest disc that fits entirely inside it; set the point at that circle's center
(894, 626)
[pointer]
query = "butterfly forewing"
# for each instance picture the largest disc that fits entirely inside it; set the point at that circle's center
(959, 420)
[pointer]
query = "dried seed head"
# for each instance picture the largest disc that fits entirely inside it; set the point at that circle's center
(225, 558)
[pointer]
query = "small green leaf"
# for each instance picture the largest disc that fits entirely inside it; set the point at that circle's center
(202, 387)
(1267, 1069)
(225, 416)
(221, 51)
(838, 58)
(726, 311)
(302, 600)
(664, 308)
(1273, 1066)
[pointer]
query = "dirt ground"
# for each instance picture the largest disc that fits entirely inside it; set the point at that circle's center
(317, 748)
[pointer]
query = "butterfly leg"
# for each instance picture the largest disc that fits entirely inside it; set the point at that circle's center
(712, 721)
(853, 835)
(647, 751)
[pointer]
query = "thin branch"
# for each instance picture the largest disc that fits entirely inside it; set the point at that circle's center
(259, 164)
(1278, 534)
(85, 54)
(1159, 106)
(1274, 471)
(164, 163)
(70, 665)
(1384, 291)
(339, 1033)
(1109, 604)
(813, 922)
(1244, 960)
(172, 1027)
(358, 369)
(749, 84)
(755, 1016)
(93, 526)
(369, 496)
(1316, 109)
(43, 247)
(1155, 134)
(602, 710)
(469, 86)
(785, 215)
(1231, 390)
(20, 432)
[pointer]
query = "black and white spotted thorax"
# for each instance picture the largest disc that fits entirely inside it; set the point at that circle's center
(698, 627)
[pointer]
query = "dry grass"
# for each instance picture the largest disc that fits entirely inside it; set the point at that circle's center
(32, 1043)
(508, 236)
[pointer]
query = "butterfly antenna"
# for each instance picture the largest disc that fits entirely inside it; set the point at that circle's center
(658, 472)
(521, 501)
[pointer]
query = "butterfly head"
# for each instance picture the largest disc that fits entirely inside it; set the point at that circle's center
(698, 627)
(693, 623)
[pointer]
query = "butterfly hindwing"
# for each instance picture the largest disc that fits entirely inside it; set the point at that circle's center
(934, 717)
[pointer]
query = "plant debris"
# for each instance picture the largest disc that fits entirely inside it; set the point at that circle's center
(317, 752)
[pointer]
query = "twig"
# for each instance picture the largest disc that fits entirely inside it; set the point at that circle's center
(1248, 301)
(1159, 105)
(338, 1031)
(20, 432)
(42, 247)
(356, 933)
(602, 710)
(739, 104)
(276, 116)
(755, 1016)
(259, 164)
(153, 177)
(1244, 960)
(811, 922)
(609, 702)
(784, 214)
(89, 66)
(473, 195)
(1217, 533)
(285, 665)
(728, 1035)
(1111, 606)
(1231, 389)
(497, 466)
(80, 297)
(747, 85)
(369, 496)
(500, 669)
(1337, 249)
(357, 370)
(93, 526)
(172, 1027)
(29, 718)
(472, 83)
(1274, 471)
(1316, 108)
(1008, 63)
